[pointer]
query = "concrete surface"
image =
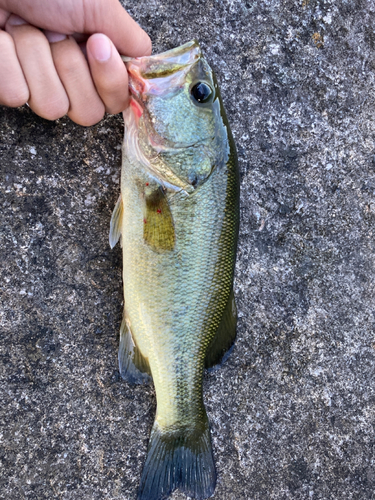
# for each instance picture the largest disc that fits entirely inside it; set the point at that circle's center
(292, 410)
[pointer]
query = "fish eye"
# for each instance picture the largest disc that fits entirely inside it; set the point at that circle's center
(201, 92)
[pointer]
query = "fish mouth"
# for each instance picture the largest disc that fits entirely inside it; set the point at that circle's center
(157, 65)
(157, 74)
(173, 55)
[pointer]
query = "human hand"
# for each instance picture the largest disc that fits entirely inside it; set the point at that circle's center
(43, 44)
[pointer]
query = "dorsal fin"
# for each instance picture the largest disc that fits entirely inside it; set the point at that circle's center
(225, 335)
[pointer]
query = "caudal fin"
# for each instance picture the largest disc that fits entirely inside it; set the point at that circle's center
(181, 458)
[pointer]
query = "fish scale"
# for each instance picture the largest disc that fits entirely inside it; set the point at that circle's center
(179, 223)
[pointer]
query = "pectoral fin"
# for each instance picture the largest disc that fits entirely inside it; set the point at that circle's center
(116, 223)
(158, 228)
(225, 335)
(133, 367)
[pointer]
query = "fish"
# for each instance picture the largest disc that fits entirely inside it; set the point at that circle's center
(177, 218)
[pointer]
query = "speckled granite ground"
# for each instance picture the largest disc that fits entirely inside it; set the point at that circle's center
(292, 410)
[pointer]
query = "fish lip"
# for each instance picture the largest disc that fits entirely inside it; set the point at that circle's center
(164, 55)
(156, 74)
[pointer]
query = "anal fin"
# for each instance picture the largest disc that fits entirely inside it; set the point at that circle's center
(133, 367)
(225, 335)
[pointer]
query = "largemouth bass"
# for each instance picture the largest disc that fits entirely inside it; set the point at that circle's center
(178, 221)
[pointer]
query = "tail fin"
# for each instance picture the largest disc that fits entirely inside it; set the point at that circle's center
(181, 458)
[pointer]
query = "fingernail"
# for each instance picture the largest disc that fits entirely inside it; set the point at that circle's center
(100, 47)
(16, 20)
(53, 36)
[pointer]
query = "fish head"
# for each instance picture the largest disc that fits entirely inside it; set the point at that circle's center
(176, 105)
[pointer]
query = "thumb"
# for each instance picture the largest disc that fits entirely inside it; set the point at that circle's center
(110, 18)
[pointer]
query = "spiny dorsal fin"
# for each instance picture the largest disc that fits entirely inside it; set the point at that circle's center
(133, 367)
(116, 223)
(158, 228)
(225, 335)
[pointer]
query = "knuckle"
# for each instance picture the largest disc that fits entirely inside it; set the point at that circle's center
(116, 99)
(54, 114)
(114, 94)
(14, 91)
(52, 110)
(116, 107)
(114, 81)
(14, 97)
(69, 65)
(87, 119)
(6, 41)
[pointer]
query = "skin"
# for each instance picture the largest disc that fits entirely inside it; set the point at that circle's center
(63, 57)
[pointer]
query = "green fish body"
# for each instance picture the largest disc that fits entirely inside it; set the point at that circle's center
(178, 220)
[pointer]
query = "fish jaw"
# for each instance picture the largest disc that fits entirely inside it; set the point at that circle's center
(156, 75)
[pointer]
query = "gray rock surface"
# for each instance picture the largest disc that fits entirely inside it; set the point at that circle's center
(292, 409)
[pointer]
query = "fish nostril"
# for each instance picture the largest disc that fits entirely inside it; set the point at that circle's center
(194, 181)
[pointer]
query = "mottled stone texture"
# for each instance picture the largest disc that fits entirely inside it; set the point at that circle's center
(292, 410)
